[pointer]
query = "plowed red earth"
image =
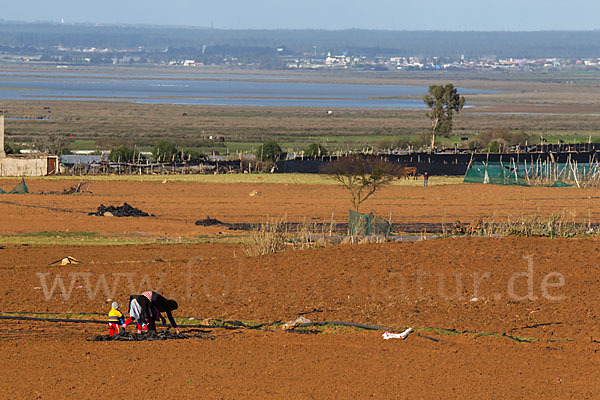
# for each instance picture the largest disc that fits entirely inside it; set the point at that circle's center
(277, 365)
(532, 288)
(393, 285)
(177, 205)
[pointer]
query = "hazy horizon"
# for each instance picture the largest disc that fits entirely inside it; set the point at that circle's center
(437, 15)
(149, 25)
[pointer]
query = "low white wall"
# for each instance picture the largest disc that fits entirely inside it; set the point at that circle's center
(10, 166)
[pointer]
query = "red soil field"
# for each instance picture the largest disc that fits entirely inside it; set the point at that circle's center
(177, 205)
(279, 365)
(392, 285)
(537, 289)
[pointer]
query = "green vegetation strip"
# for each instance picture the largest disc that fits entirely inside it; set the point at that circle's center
(274, 179)
(45, 238)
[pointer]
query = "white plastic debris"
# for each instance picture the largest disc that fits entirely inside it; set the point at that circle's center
(387, 335)
(292, 324)
(474, 299)
(66, 261)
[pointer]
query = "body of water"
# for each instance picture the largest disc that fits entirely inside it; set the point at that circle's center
(226, 90)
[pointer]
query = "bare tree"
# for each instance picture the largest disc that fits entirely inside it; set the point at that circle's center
(362, 176)
(53, 143)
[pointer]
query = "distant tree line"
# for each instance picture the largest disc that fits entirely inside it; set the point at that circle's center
(163, 151)
(200, 42)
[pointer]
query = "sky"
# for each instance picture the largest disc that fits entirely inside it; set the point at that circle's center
(450, 15)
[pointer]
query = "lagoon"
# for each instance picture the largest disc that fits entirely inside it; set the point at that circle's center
(222, 90)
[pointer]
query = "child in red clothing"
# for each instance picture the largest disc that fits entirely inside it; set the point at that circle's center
(115, 319)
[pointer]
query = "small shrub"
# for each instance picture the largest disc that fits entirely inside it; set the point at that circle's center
(194, 156)
(421, 141)
(500, 137)
(269, 151)
(269, 237)
(494, 146)
(122, 154)
(362, 176)
(164, 151)
(316, 150)
(8, 149)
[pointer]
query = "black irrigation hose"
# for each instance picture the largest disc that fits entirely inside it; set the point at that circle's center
(238, 324)
(83, 321)
(48, 313)
(12, 203)
(353, 324)
(515, 338)
(431, 338)
(304, 331)
(226, 324)
(343, 323)
(232, 325)
(357, 325)
(543, 324)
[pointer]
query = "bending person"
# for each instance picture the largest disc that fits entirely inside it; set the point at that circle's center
(160, 304)
(140, 310)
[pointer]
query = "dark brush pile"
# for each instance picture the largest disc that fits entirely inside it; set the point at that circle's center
(208, 221)
(152, 335)
(81, 187)
(120, 211)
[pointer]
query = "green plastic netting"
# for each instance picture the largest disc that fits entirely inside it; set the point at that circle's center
(528, 174)
(21, 188)
(363, 224)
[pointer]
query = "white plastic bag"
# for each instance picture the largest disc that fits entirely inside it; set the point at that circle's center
(386, 335)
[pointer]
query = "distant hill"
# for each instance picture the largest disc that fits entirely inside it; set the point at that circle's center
(561, 44)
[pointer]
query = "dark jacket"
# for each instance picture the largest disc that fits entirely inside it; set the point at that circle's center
(163, 305)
